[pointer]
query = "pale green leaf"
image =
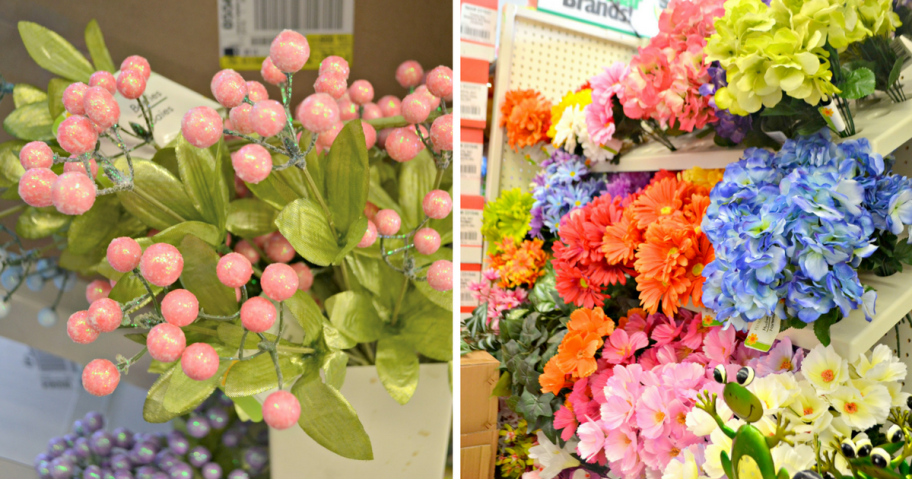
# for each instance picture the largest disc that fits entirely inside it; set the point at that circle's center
(55, 96)
(10, 167)
(354, 236)
(330, 420)
(429, 326)
(250, 217)
(158, 198)
(184, 393)
(378, 196)
(30, 122)
(250, 407)
(153, 409)
(53, 53)
(128, 288)
(97, 49)
(175, 234)
(335, 339)
(24, 94)
(303, 224)
(444, 299)
(416, 179)
(354, 316)
(308, 315)
(253, 376)
(167, 157)
(200, 171)
(397, 366)
(90, 228)
(347, 176)
(199, 278)
(36, 223)
(335, 365)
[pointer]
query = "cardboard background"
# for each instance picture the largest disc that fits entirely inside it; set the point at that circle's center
(180, 39)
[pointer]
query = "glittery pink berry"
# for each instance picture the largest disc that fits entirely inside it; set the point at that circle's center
(305, 276)
(105, 315)
(371, 112)
(228, 87)
(161, 264)
(370, 235)
(202, 126)
(73, 193)
(36, 186)
(256, 92)
(137, 62)
(361, 92)
(370, 134)
(74, 98)
(124, 254)
(76, 135)
(252, 163)
(437, 204)
(279, 281)
(390, 106)
(199, 361)
(100, 377)
(347, 109)
(105, 80)
(442, 133)
(318, 112)
(268, 118)
(382, 135)
(409, 74)
(78, 328)
(333, 85)
(289, 51)
(234, 270)
(180, 307)
(440, 275)
(240, 118)
(271, 74)
(263, 239)
(79, 167)
(434, 101)
(403, 144)
(415, 108)
(328, 137)
(36, 154)
(131, 83)
(334, 65)
(278, 249)
(258, 314)
(440, 82)
(98, 289)
(370, 211)
(166, 342)
(388, 222)
(427, 241)
(101, 107)
(246, 250)
(281, 410)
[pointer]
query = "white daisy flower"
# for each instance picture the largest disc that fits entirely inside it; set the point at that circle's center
(683, 467)
(825, 369)
(881, 366)
(772, 393)
(793, 459)
(861, 404)
(551, 457)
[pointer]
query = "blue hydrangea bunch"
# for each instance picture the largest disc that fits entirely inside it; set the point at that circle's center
(563, 184)
(791, 228)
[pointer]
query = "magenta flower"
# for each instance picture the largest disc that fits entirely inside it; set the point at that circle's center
(719, 344)
(621, 346)
(651, 412)
(592, 440)
(566, 421)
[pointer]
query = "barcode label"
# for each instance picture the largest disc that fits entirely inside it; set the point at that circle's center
(311, 15)
(466, 300)
(475, 32)
(468, 169)
(470, 110)
(469, 235)
(470, 158)
(465, 297)
(473, 101)
(478, 24)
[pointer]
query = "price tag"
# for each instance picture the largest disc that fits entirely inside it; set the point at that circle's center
(473, 101)
(478, 24)
(762, 333)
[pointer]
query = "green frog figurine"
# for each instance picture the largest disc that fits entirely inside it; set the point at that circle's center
(750, 455)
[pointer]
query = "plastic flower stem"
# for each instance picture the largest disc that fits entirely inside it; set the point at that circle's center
(251, 139)
(124, 366)
(132, 304)
(242, 357)
(368, 350)
(13, 210)
(357, 356)
(201, 330)
(398, 121)
(243, 344)
(395, 318)
(9, 295)
(60, 291)
(218, 318)
(148, 290)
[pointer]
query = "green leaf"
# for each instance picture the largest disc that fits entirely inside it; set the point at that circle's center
(30, 122)
(822, 326)
(415, 180)
(24, 94)
(335, 339)
(128, 288)
(354, 316)
(200, 171)
(532, 407)
(894, 73)
(199, 278)
(10, 167)
(429, 326)
(378, 196)
(397, 366)
(330, 420)
(167, 157)
(36, 223)
(280, 187)
(175, 234)
(303, 224)
(253, 376)
(502, 388)
(55, 96)
(184, 393)
(158, 198)
(97, 49)
(89, 229)
(354, 236)
(858, 83)
(308, 315)
(153, 409)
(56, 55)
(444, 299)
(335, 365)
(250, 217)
(347, 176)
(250, 406)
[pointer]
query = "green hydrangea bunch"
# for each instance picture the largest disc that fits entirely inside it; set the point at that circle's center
(509, 215)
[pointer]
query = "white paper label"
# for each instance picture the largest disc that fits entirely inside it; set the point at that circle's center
(473, 101)
(247, 28)
(470, 227)
(470, 159)
(762, 333)
(479, 24)
(465, 296)
(633, 17)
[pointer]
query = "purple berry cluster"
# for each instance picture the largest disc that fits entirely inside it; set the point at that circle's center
(216, 445)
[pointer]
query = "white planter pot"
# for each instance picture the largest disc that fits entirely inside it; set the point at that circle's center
(408, 441)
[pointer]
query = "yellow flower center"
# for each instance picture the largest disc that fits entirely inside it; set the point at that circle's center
(583, 283)
(785, 365)
(808, 411)
(665, 210)
(682, 418)
(697, 269)
(850, 408)
(828, 376)
(572, 174)
(673, 251)
(659, 417)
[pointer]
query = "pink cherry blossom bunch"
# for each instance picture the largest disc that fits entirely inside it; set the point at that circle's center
(488, 291)
(600, 113)
(665, 76)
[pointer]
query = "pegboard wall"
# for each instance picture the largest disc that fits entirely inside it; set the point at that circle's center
(550, 54)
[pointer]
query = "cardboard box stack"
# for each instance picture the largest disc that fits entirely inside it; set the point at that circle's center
(478, 415)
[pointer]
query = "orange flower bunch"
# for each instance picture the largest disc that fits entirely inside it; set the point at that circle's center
(519, 263)
(575, 358)
(527, 116)
(660, 232)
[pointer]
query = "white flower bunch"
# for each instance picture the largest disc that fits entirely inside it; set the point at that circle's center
(572, 130)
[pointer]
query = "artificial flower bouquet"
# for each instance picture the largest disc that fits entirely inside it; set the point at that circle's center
(791, 231)
(333, 220)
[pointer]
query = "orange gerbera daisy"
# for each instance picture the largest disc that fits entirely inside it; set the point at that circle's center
(553, 379)
(668, 245)
(620, 241)
(703, 255)
(527, 116)
(519, 264)
(656, 201)
(585, 321)
(668, 293)
(695, 209)
(576, 354)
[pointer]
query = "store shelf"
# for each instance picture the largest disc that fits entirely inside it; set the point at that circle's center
(691, 151)
(885, 124)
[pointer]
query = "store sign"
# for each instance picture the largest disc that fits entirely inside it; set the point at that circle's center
(633, 17)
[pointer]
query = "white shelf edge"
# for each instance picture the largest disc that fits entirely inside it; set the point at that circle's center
(691, 151)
